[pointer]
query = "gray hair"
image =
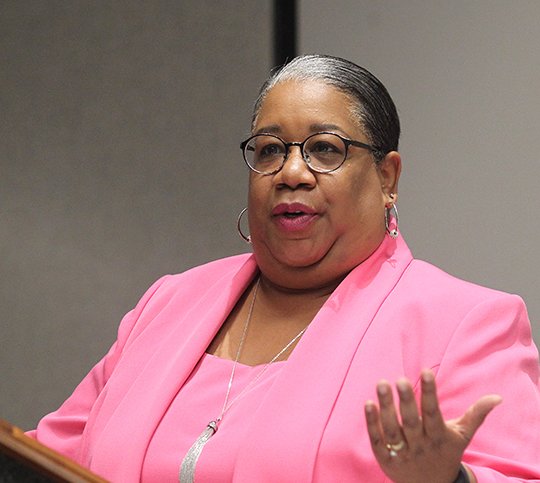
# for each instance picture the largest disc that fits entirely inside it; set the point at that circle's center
(371, 103)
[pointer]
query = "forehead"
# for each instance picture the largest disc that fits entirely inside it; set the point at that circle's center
(295, 105)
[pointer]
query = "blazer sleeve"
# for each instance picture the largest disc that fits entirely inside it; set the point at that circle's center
(492, 352)
(62, 429)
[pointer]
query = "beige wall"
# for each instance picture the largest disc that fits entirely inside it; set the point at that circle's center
(119, 162)
(465, 76)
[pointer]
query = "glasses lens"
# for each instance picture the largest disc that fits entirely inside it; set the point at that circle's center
(264, 153)
(325, 152)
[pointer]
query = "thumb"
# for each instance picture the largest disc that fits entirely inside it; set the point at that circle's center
(473, 418)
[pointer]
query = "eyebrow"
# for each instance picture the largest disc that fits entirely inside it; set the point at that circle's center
(272, 129)
(325, 127)
(314, 128)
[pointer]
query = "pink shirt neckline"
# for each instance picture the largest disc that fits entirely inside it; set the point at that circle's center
(198, 402)
(240, 364)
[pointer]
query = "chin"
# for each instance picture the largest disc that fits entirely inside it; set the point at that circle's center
(302, 263)
(300, 254)
(300, 259)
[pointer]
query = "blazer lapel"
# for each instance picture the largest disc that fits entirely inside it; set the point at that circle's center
(165, 372)
(290, 422)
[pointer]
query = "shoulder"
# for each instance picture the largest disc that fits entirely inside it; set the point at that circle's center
(428, 284)
(181, 290)
(433, 319)
(442, 310)
(198, 277)
(223, 267)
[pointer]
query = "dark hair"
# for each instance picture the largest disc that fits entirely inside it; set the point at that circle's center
(372, 104)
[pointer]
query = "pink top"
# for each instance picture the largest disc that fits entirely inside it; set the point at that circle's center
(389, 318)
(199, 402)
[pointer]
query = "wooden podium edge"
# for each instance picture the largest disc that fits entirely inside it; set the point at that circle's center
(47, 461)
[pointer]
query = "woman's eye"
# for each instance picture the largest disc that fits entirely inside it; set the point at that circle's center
(323, 148)
(271, 150)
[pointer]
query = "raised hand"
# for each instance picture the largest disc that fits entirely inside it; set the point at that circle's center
(413, 446)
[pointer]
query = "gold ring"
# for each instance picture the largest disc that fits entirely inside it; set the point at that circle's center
(393, 449)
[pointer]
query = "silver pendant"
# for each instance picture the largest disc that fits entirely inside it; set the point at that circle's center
(187, 470)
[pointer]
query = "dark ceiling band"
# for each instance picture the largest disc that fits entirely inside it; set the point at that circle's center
(284, 31)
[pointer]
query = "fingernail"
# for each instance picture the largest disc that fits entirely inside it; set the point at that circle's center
(427, 376)
(382, 389)
(402, 385)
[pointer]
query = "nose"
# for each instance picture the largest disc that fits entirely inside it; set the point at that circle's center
(295, 172)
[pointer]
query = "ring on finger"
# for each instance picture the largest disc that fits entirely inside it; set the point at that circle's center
(394, 449)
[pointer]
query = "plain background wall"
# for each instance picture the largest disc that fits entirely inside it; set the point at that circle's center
(465, 76)
(119, 162)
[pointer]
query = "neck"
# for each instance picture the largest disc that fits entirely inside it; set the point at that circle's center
(272, 288)
(276, 299)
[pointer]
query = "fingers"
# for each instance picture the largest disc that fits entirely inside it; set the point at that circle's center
(386, 426)
(389, 419)
(412, 440)
(410, 425)
(383, 426)
(392, 433)
(374, 428)
(476, 414)
(432, 419)
(410, 419)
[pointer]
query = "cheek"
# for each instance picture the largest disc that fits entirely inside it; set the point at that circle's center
(258, 199)
(362, 197)
(257, 193)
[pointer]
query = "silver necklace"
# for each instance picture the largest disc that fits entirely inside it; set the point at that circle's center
(187, 469)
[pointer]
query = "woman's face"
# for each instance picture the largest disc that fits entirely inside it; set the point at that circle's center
(310, 229)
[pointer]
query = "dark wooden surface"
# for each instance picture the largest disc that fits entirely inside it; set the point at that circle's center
(23, 459)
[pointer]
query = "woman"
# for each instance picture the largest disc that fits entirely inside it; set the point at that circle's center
(257, 367)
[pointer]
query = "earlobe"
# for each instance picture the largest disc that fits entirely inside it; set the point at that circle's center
(390, 170)
(391, 199)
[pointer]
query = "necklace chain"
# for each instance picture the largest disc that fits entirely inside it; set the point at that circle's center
(187, 468)
(239, 351)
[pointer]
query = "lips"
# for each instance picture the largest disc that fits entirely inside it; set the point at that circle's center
(293, 216)
(292, 209)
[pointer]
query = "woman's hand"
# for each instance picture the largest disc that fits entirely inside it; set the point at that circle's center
(422, 447)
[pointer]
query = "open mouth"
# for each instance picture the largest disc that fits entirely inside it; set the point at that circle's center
(293, 214)
(294, 217)
(293, 210)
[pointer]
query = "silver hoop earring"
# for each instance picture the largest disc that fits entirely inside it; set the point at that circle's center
(247, 238)
(391, 230)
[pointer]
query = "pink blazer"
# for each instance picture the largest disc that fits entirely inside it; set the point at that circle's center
(391, 317)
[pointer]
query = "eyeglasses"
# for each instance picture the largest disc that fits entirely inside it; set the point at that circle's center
(323, 152)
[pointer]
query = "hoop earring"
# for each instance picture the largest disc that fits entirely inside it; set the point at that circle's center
(393, 232)
(247, 238)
